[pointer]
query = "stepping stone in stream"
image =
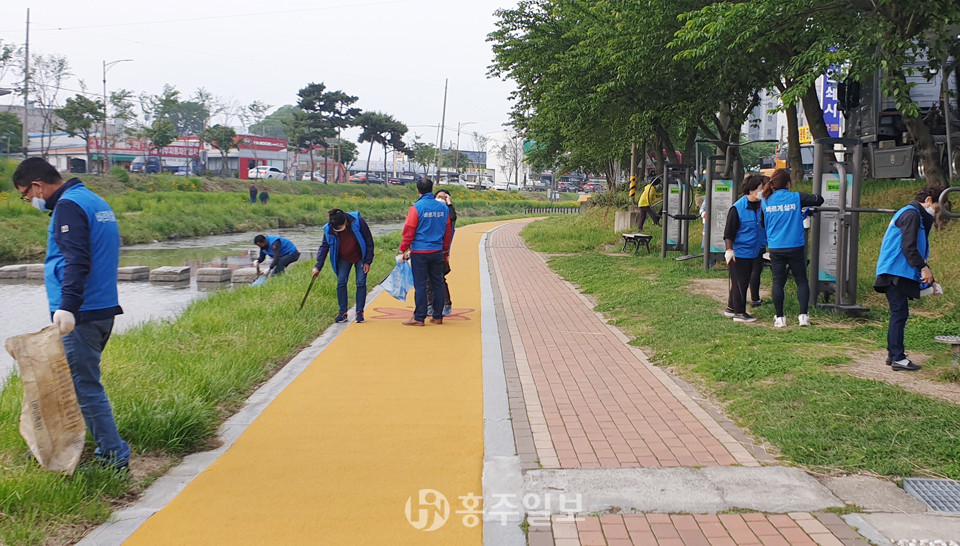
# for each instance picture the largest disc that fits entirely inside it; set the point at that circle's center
(244, 275)
(133, 273)
(170, 273)
(214, 274)
(35, 271)
(13, 272)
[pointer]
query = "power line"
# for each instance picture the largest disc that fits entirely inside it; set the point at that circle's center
(230, 16)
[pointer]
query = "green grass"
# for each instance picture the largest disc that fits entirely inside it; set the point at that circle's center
(171, 384)
(159, 207)
(786, 386)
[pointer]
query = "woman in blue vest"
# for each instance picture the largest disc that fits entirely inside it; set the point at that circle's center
(902, 266)
(783, 216)
(744, 237)
(348, 241)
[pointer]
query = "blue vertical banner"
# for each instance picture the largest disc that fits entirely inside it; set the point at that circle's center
(828, 101)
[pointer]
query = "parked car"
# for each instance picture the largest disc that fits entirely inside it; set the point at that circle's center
(565, 186)
(536, 185)
(365, 178)
(264, 171)
(401, 180)
(506, 186)
(315, 176)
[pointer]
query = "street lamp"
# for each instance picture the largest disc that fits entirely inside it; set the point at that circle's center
(459, 125)
(107, 66)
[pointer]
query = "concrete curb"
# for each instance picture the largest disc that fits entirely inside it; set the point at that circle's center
(502, 477)
(125, 521)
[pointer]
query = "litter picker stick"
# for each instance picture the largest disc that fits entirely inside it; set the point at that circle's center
(304, 300)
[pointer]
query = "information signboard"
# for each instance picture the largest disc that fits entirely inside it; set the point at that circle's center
(673, 208)
(721, 199)
(829, 225)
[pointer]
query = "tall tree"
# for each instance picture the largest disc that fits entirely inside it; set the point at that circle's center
(274, 125)
(160, 133)
(11, 132)
(328, 112)
(223, 139)
(80, 117)
(423, 153)
(48, 74)
(382, 129)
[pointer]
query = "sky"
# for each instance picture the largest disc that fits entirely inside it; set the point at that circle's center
(392, 54)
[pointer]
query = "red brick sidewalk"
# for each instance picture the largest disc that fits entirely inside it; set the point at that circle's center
(798, 529)
(581, 397)
(591, 400)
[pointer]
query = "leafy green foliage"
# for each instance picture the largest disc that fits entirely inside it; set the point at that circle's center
(11, 132)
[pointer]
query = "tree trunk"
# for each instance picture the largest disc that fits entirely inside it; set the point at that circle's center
(326, 173)
(86, 142)
(926, 150)
(223, 164)
(811, 106)
(794, 159)
(313, 165)
(385, 165)
(370, 153)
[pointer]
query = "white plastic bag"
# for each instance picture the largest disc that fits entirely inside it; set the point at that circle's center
(400, 280)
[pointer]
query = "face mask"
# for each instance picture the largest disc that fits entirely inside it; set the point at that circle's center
(930, 211)
(39, 203)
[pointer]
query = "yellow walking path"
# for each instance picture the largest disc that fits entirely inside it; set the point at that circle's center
(383, 412)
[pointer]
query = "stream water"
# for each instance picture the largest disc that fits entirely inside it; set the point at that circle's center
(23, 304)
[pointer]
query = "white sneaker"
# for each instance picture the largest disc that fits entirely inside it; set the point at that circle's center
(804, 320)
(780, 322)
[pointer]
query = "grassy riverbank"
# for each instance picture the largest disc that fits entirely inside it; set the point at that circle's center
(160, 207)
(793, 388)
(171, 384)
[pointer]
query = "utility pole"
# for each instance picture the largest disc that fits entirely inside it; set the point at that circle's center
(459, 125)
(443, 119)
(26, 89)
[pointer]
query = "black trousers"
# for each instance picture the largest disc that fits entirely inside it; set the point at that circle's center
(755, 277)
(741, 276)
(283, 261)
(796, 260)
(899, 313)
(648, 211)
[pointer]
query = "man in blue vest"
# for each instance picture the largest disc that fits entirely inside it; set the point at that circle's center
(426, 243)
(80, 272)
(744, 236)
(280, 249)
(902, 266)
(348, 241)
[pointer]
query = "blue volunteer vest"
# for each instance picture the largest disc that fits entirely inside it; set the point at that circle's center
(334, 242)
(784, 220)
(891, 260)
(286, 247)
(750, 236)
(431, 224)
(100, 288)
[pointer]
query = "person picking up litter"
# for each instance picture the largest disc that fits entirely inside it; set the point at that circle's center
(349, 243)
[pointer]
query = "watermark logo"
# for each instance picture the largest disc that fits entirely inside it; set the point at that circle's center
(430, 512)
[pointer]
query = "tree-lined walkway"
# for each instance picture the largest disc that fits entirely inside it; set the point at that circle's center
(583, 401)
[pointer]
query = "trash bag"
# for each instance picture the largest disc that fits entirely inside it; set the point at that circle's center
(261, 280)
(50, 418)
(400, 280)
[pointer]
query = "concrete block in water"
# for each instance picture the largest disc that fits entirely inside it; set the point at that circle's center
(133, 273)
(170, 273)
(214, 274)
(35, 271)
(13, 272)
(626, 221)
(244, 275)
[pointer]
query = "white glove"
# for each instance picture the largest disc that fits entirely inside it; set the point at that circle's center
(64, 320)
(728, 256)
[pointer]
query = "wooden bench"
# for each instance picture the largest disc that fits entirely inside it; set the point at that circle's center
(636, 239)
